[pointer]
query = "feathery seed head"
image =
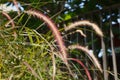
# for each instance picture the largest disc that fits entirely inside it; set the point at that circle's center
(87, 23)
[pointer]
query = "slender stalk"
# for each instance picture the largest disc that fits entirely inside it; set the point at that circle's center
(113, 56)
(86, 70)
(16, 5)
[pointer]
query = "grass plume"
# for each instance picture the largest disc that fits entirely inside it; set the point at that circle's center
(54, 29)
(9, 18)
(88, 53)
(56, 33)
(11, 21)
(85, 23)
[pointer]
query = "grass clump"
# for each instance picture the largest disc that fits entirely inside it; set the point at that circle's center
(26, 54)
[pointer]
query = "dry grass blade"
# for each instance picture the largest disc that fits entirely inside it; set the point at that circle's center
(54, 66)
(86, 70)
(11, 76)
(32, 70)
(81, 32)
(88, 53)
(83, 23)
(52, 54)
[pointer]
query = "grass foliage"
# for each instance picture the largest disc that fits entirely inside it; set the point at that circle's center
(26, 54)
